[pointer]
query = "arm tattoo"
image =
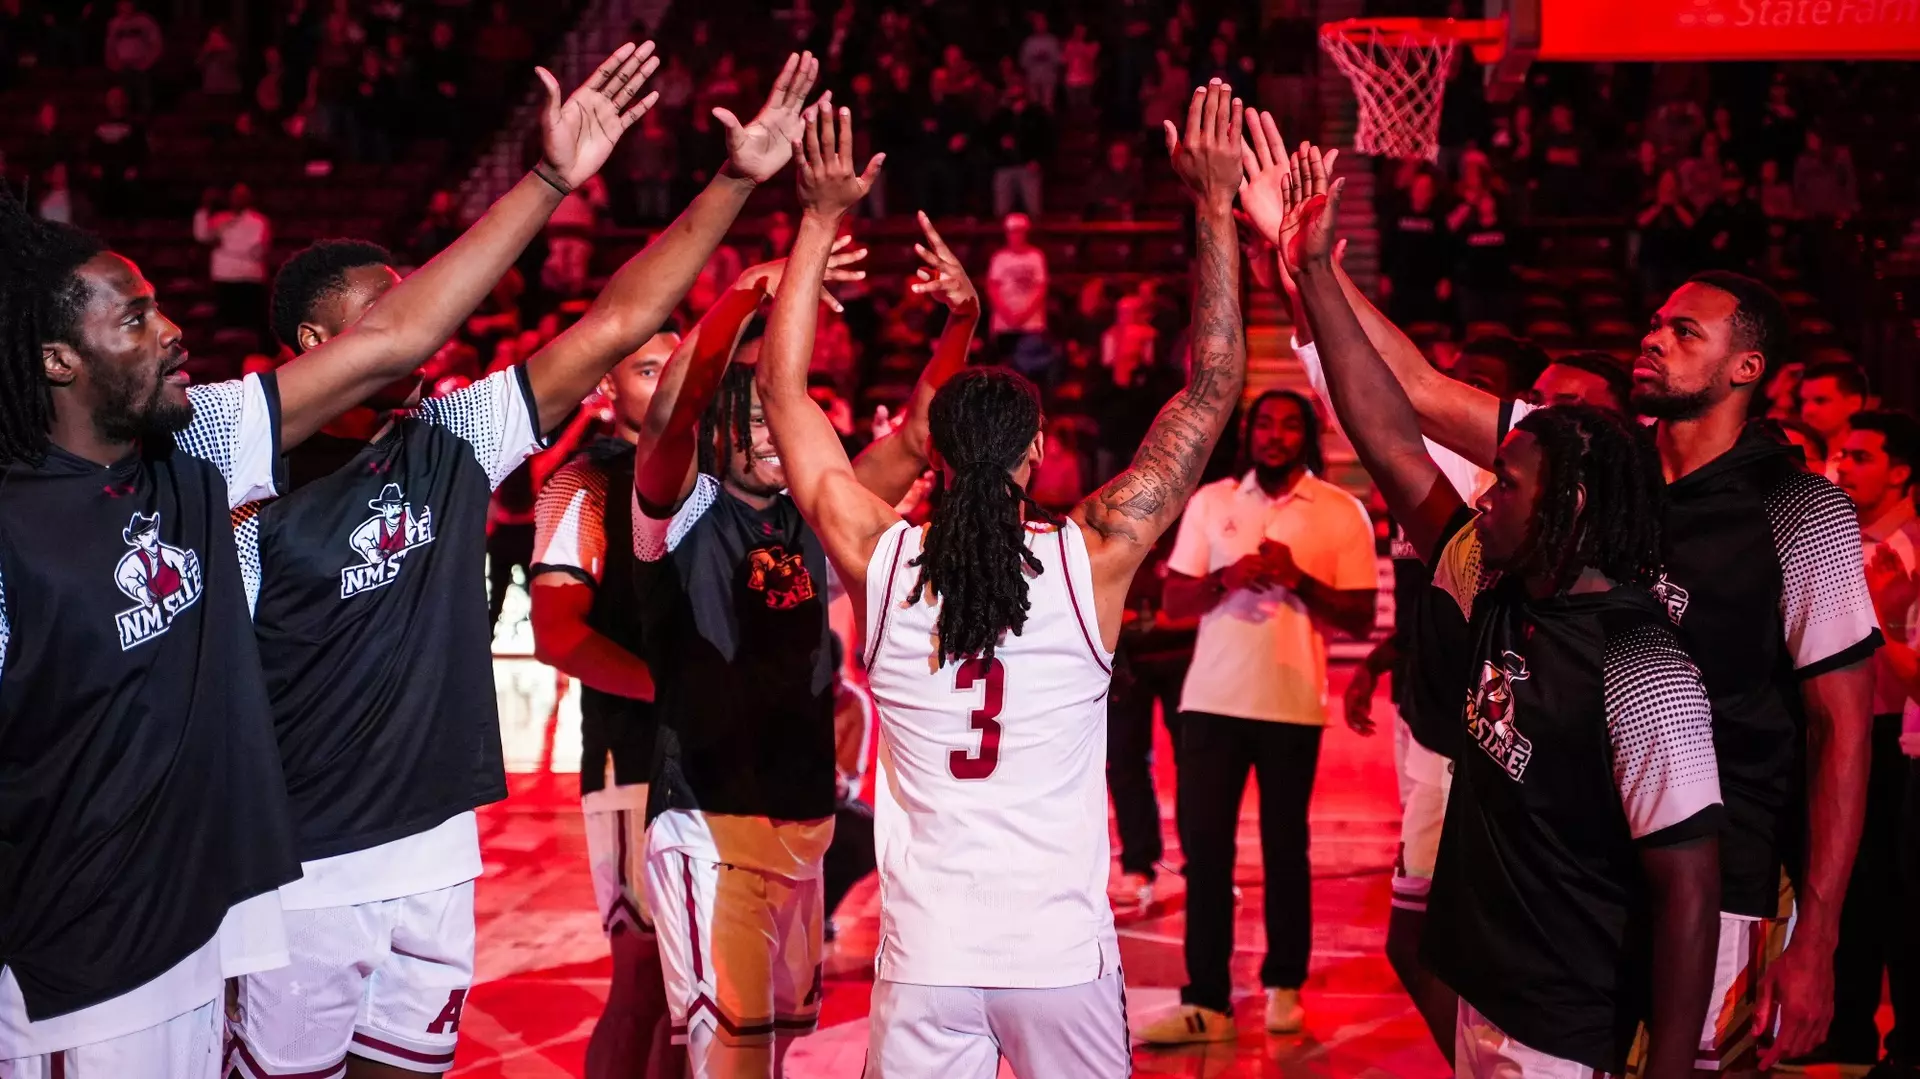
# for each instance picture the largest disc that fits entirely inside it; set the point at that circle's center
(1141, 502)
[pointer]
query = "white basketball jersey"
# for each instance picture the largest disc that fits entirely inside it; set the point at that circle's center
(990, 820)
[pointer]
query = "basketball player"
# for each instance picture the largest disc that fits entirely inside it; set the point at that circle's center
(379, 669)
(1764, 581)
(585, 624)
(144, 809)
(1561, 928)
(990, 634)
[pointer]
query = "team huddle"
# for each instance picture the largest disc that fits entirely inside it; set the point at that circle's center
(247, 714)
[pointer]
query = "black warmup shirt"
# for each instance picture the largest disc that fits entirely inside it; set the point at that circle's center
(372, 621)
(1585, 734)
(140, 790)
(1765, 586)
(735, 614)
(574, 517)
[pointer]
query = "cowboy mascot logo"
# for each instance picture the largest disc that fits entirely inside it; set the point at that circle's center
(383, 540)
(1490, 717)
(161, 580)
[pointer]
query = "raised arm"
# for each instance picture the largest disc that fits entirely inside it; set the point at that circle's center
(646, 290)
(889, 466)
(1124, 519)
(848, 518)
(1372, 405)
(1452, 413)
(418, 316)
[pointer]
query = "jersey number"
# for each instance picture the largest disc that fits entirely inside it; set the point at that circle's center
(985, 719)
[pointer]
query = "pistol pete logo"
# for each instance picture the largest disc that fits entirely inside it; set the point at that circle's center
(162, 580)
(1490, 714)
(383, 540)
(781, 577)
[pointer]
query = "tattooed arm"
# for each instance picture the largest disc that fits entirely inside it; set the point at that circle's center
(1123, 520)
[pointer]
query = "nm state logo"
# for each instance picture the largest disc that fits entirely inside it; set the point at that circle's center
(383, 540)
(1490, 714)
(1671, 596)
(781, 577)
(161, 580)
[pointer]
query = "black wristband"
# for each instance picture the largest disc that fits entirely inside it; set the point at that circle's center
(552, 177)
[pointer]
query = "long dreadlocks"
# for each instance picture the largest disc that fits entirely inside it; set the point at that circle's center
(41, 299)
(1613, 459)
(727, 424)
(976, 558)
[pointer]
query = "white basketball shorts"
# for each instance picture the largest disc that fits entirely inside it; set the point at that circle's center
(952, 1032)
(617, 853)
(1425, 780)
(1483, 1051)
(385, 981)
(188, 1046)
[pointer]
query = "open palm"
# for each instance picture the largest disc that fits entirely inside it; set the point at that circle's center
(578, 135)
(942, 277)
(1309, 234)
(761, 148)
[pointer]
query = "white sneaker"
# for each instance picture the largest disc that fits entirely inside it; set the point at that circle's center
(1190, 1025)
(1132, 892)
(1285, 1015)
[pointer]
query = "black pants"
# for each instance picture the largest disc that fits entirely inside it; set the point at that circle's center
(1215, 755)
(850, 856)
(1904, 970)
(509, 545)
(1136, 809)
(1870, 917)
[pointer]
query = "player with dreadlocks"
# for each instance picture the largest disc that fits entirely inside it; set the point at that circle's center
(733, 589)
(989, 637)
(1560, 930)
(145, 811)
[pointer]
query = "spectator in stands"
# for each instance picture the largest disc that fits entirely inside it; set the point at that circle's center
(46, 142)
(1130, 343)
(372, 110)
(1082, 57)
(1665, 227)
(219, 64)
(1783, 393)
(1022, 138)
(1499, 364)
(1732, 232)
(1642, 180)
(1823, 181)
(1483, 270)
(1417, 256)
(674, 84)
(240, 237)
(58, 200)
(946, 142)
(115, 155)
(651, 158)
(270, 93)
(1164, 95)
(1584, 378)
(1812, 447)
(438, 227)
(1700, 174)
(570, 234)
(502, 46)
(440, 70)
(1830, 393)
(1116, 189)
(1017, 289)
(134, 45)
(1780, 135)
(1565, 163)
(1041, 59)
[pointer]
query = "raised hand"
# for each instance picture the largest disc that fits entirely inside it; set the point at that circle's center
(1313, 238)
(759, 149)
(942, 277)
(766, 275)
(828, 184)
(1263, 161)
(578, 135)
(1207, 158)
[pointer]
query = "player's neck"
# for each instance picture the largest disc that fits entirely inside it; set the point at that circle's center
(1688, 444)
(79, 435)
(752, 498)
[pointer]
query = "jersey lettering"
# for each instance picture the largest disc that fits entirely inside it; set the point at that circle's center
(985, 719)
(1490, 717)
(448, 1021)
(383, 540)
(162, 579)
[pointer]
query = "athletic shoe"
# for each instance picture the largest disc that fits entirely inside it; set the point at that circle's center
(1284, 1012)
(1132, 892)
(1190, 1025)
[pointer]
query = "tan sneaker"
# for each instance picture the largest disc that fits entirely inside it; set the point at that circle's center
(1190, 1025)
(1284, 1012)
(1132, 892)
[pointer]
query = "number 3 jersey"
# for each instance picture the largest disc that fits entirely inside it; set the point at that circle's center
(369, 604)
(990, 819)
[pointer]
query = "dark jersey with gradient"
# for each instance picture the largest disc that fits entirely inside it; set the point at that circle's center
(371, 614)
(1765, 587)
(735, 614)
(1582, 733)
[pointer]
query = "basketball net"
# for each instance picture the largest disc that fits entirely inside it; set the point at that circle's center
(1399, 79)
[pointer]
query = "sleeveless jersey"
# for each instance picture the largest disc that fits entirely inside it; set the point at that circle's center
(991, 812)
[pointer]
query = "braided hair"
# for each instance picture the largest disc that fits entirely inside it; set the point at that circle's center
(976, 558)
(1311, 453)
(1618, 531)
(41, 300)
(727, 424)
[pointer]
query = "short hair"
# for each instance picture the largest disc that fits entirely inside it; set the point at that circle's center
(1618, 378)
(1759, 318)
(1899, 430)
(1523, 359)
(1848, 375)
(313, 274)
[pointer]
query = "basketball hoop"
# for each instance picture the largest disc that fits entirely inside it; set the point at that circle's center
(1398, 69)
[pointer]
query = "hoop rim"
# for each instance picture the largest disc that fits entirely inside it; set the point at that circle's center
(1486, 37)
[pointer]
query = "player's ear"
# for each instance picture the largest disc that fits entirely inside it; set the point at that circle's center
(1579, 499)
(61, 362)
(310, 336)
(1037, 449)
(1749, 368)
